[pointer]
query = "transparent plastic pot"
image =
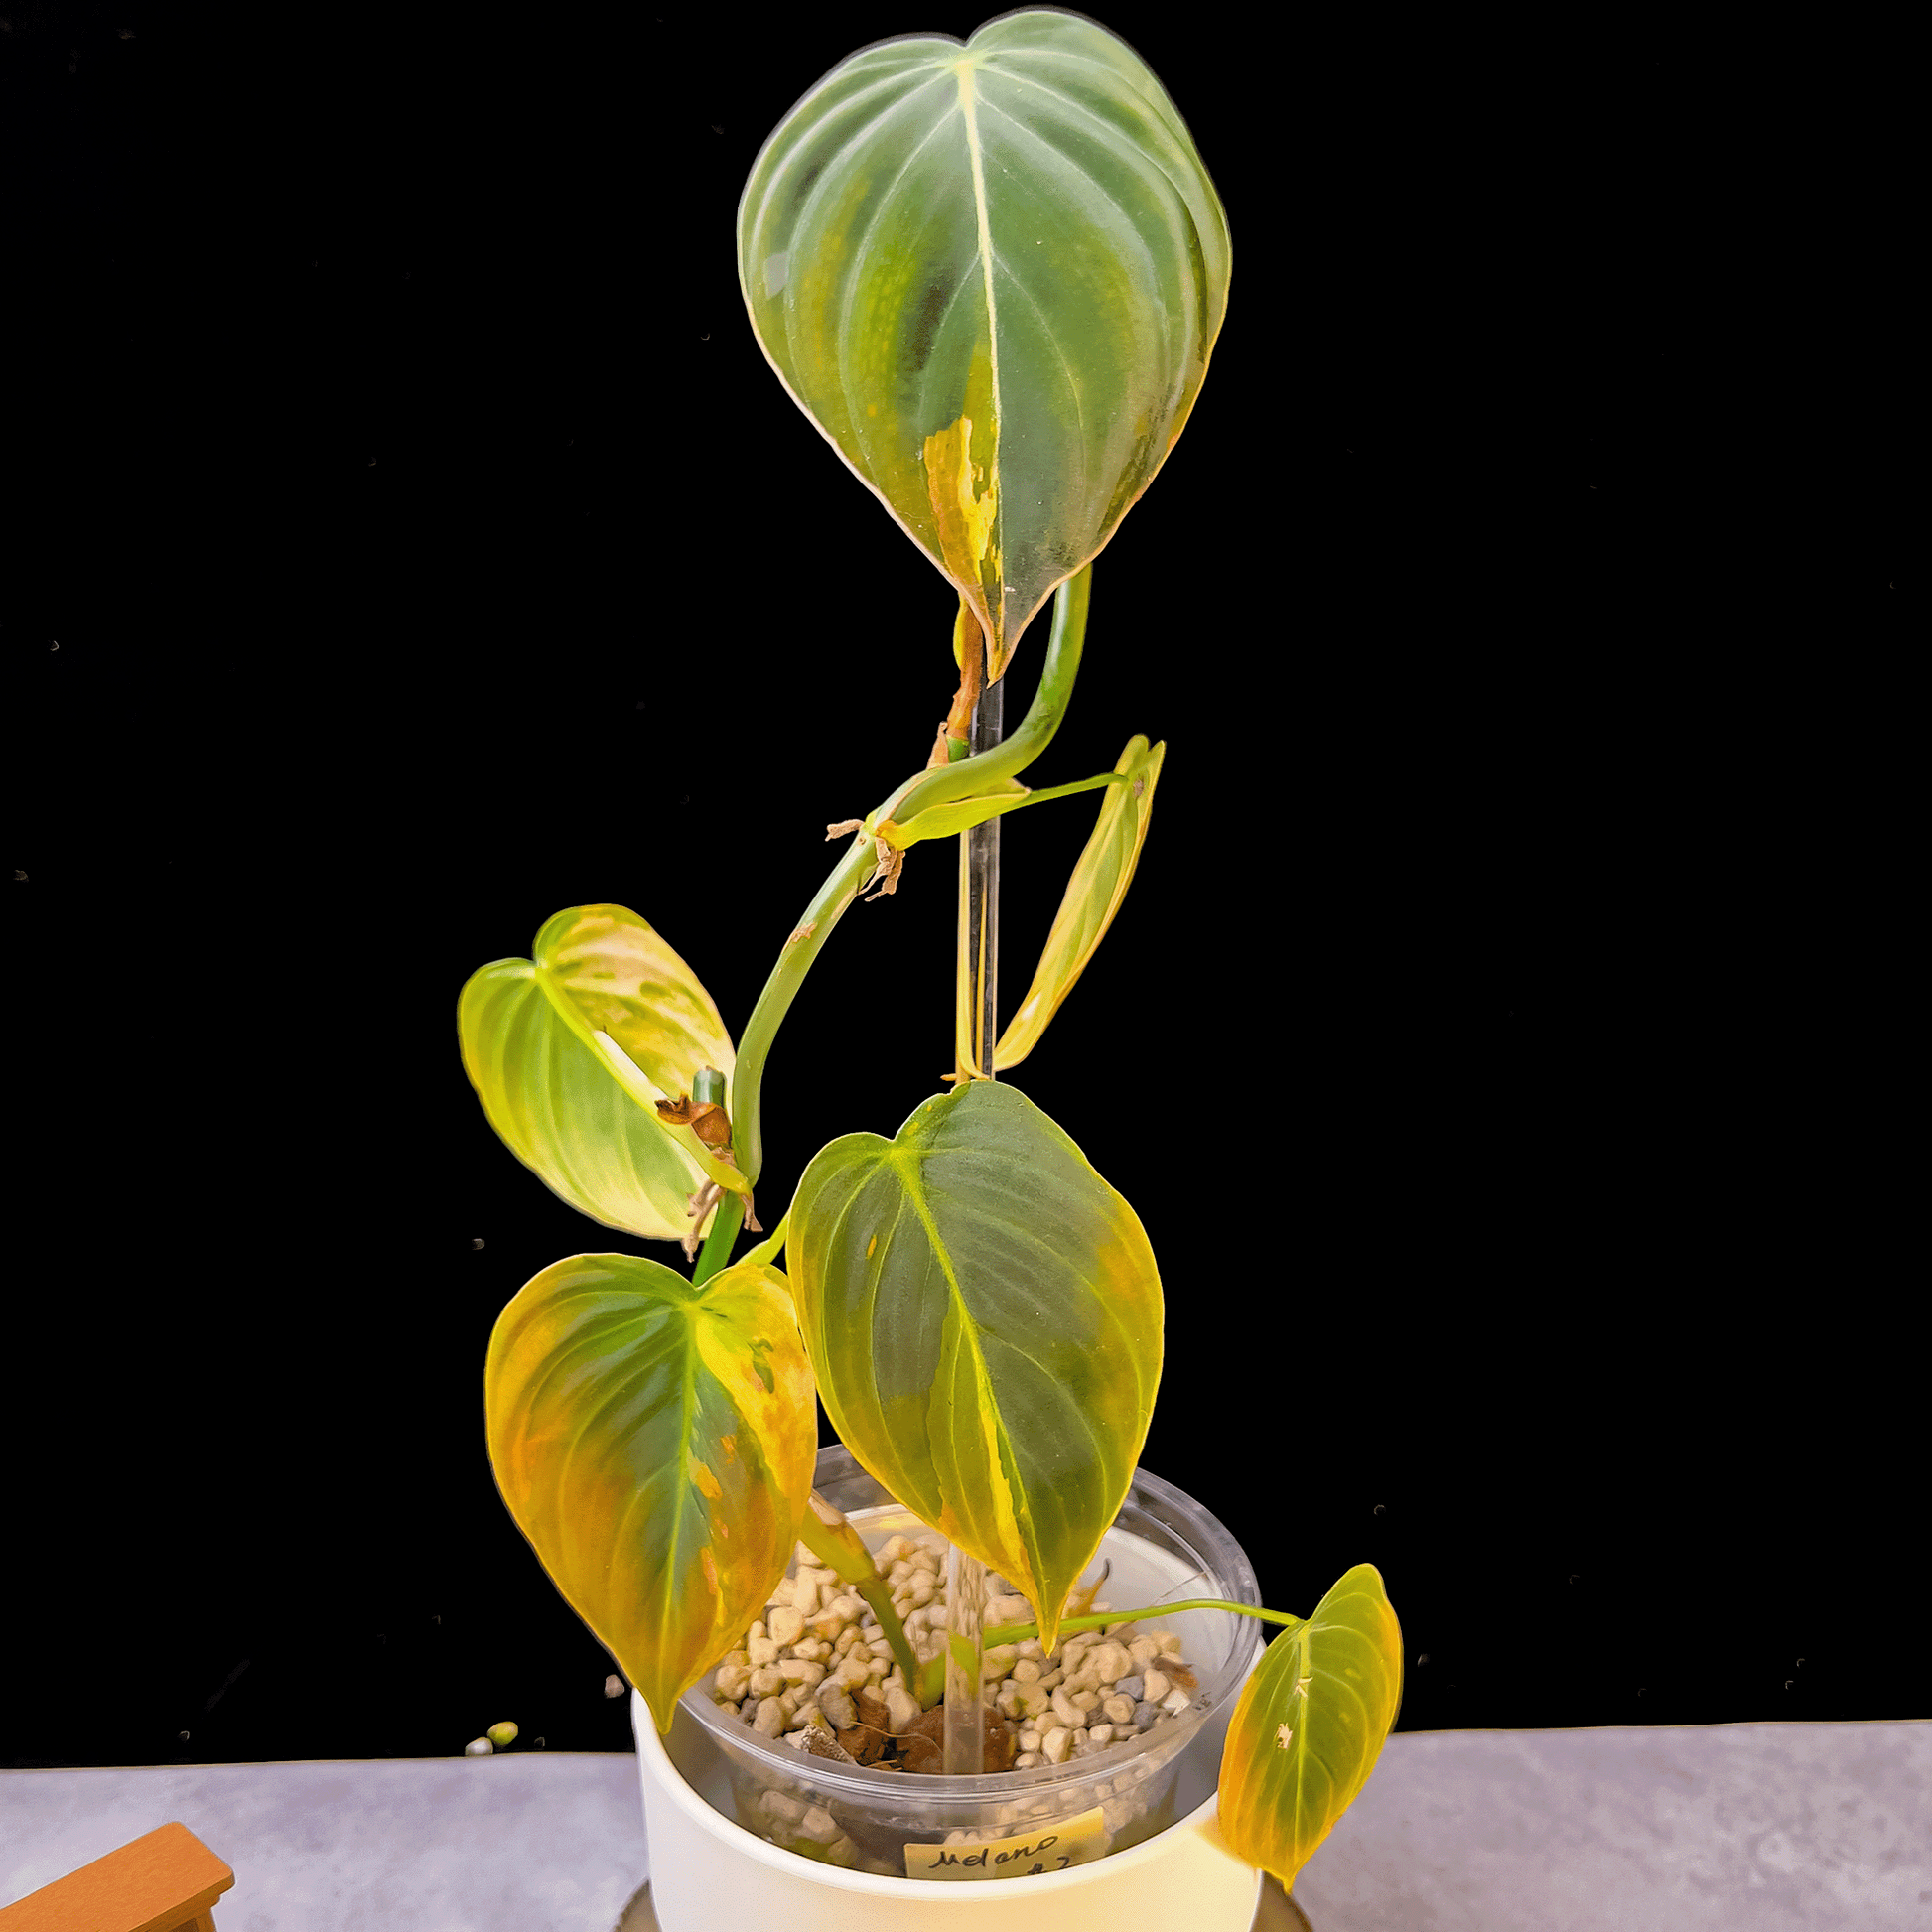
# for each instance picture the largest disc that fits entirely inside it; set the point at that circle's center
(1164, 1545)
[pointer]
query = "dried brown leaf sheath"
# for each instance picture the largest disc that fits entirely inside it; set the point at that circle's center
(707, 1120)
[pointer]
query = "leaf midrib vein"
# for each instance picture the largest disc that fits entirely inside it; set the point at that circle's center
(969, 108)
(912, 1186)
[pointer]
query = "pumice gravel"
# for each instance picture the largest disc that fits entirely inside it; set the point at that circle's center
(816, 1673)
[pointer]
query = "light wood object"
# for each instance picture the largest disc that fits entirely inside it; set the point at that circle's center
(167, 1881)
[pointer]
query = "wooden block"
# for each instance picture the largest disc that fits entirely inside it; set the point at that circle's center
(167, 1881)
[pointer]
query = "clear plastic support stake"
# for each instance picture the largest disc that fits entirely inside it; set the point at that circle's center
(977, 1027)
(978, 1001)
(965, 1736)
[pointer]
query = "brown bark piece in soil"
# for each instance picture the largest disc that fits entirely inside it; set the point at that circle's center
(864, 1742)
(922, 1745)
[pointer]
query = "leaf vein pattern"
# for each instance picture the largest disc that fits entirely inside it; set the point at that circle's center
(914, 1183)
(796, 150)
(1081, 170)
(1106, 131)
(1119, 85)
(855, 276)
(874, 1278)
(1066, 369)
(885, 201)
(968, 107)
(1109, 1306)
(1077, 1406)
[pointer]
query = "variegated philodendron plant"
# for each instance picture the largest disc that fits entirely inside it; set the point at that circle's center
(991, 274)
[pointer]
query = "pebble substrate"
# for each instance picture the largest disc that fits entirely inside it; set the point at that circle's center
(817, 1662)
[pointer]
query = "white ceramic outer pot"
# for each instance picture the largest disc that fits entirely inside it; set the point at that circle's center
(710, 1874)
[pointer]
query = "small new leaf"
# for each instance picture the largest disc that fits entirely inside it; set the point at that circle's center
(1310, 1726)
(1093, 897)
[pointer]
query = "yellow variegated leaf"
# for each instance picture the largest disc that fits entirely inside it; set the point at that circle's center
(1092, 898)
(1310, 1725)
(635, 1004)
(559, 1109)
(571, 1051)
(984, 1317)
(624, 982)
(992, 274)
(656, 1442)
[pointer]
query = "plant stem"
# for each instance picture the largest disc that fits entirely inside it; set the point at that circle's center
(1019, 1632)
(827, 1533)
(1034, 733)
(1003, 1633)
(849, 875)
(717, 1248)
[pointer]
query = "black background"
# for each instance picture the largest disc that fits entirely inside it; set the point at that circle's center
(1502, 1043)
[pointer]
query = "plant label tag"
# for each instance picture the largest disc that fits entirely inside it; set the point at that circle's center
(1065, 1842)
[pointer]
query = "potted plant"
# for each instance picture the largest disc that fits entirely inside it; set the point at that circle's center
(976, 1642)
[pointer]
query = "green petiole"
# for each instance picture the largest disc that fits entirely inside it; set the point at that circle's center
(940, 787)
(717, 1248)
(839, 1547)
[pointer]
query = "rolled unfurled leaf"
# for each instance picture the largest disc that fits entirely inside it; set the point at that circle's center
(1093, 896)
(655, 1443)
(1310, 1725)
(984, 1317)
(992, 274)
(569, 1053)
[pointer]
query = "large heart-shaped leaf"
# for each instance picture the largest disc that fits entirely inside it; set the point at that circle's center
(655, 1443)
(1092, 898)
(984, 1316)
(992, 274)
(1310, 1726)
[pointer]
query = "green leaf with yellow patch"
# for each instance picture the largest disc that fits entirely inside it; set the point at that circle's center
(992, 274)
(655, 1443)
(1310, 1725)
(1093, 896)
(984, 1319)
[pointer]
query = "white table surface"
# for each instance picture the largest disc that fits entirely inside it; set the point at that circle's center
(1722, 1828)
